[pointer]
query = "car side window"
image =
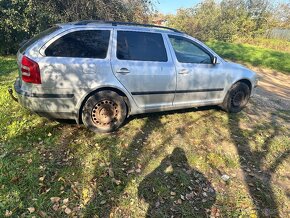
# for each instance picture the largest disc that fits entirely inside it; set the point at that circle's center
(187, 51)
(141, 46)
(82, 44)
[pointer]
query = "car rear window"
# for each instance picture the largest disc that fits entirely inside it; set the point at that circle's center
(37, 37)
(141, 46)
(82, 44)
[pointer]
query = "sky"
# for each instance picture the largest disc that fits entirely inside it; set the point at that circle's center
(170, 6)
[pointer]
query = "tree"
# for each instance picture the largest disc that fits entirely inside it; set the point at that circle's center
(199, 21)
(225, 20)
(281, 16)
(22, 19)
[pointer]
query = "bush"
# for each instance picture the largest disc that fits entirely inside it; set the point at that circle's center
(21, 19)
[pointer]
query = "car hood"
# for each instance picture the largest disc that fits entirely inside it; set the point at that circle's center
(246, 72)
(235, 65)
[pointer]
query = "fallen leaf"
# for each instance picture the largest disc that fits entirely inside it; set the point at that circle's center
(65, 201)
(42, 214)
(49, 134)
(8, 213)
(157, 204)
(55, 207)
(77, 208)
(215, 212)
(130, 171)
(67, 210)
(111, 173)
(117, 182)
(188, 172)
(189, 196)
(103, 202)
(31, 209)
(41, 178)
(54, 199)
(29, 161)
(138, 170)
(172, 209)
(225, 177)
(172, 193)
(182, 197)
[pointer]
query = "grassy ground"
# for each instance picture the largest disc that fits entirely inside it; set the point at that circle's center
(275, 44)
(256, 56)
(194, 163)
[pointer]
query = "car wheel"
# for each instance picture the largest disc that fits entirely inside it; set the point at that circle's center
(237, 98)
(104, 112)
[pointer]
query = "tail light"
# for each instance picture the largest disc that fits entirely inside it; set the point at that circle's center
(30, 71)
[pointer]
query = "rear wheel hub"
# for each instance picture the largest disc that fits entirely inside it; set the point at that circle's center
(105, 112)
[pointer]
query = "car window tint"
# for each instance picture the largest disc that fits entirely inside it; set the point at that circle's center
(140, 46)
(187, 51)
(83, 44)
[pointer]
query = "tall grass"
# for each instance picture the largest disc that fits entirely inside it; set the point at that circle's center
(276, 44)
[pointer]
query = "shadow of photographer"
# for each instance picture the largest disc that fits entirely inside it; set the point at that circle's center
(174, 189)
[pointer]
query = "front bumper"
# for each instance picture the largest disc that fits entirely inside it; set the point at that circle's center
(58, 106)
(255, 86)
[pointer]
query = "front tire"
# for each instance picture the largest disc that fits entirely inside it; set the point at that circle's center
(237, 98)
(104, 112)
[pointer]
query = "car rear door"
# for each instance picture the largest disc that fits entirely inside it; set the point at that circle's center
(141, 61)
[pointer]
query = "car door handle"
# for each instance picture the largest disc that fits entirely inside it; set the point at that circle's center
(123, 71)
(184, 71)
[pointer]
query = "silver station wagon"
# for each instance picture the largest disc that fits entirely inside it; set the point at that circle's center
(100, 72)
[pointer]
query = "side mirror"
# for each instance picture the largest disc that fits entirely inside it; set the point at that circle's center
(214, 60)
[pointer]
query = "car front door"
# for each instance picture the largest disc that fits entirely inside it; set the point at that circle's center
(141, 61)
(199, 81)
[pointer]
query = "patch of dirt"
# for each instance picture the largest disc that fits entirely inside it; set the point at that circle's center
(273, 92)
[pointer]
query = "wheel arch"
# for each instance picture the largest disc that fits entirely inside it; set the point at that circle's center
(243, 80)
(247, 82)
(114, 89)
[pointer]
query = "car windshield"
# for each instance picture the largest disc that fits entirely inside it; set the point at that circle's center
(37, 37)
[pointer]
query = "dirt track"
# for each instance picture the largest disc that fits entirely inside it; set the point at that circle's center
(274, 89)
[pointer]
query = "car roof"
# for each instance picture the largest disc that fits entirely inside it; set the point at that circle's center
(120, 25)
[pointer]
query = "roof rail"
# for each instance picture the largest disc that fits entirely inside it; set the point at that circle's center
(116, 23)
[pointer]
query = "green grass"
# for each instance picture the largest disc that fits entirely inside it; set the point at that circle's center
(253, 55)
(157, 164)
(275, 44)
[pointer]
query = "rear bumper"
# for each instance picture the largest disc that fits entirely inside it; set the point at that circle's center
(58, 106)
